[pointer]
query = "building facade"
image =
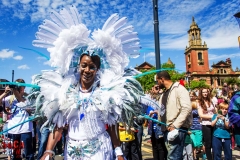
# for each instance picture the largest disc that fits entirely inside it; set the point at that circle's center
(197, 62)
(144, 66)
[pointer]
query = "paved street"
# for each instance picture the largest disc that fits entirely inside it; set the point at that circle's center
(147, 151)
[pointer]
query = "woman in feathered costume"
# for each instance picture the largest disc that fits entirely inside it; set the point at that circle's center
(89, 88)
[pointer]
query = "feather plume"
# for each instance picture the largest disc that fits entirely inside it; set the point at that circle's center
(52, 25)
(56, 17)
(44, 37)
(75, 15)
(111, 20)
(128, 36)
(42, 44)
(67, 17)
(121, 22)
(124, 30)
(46, 30)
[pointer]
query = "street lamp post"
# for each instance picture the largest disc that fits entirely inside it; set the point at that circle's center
(188, 74)
(156, 34)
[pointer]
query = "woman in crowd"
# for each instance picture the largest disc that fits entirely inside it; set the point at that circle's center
(206, 110)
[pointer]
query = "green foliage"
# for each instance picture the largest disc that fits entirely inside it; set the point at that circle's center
(167, 65)
(198, 84)
(147, 81)
(232, 81)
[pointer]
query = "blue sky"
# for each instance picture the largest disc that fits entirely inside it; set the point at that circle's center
(19, 20)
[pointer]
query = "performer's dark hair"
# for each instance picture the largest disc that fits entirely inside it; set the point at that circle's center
(95, 58)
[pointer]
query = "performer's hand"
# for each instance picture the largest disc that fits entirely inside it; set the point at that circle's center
(120, 158)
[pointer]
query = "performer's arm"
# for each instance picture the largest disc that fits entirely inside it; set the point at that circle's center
(53, 138)
(115, 140)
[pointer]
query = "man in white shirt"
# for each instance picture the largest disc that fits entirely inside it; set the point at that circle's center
(23, 132)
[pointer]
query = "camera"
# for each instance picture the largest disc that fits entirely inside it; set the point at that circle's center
(13, 86)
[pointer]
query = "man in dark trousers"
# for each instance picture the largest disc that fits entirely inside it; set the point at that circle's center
(175, 111)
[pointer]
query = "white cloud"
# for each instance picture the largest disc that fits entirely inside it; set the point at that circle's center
(174, 17)
(151, 54)
(18, 57)
(23, 67)
(25, 1)
(223, 56)
(41, 58)
(6, 53)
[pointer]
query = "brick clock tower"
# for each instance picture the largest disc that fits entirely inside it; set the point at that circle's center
(196, 55)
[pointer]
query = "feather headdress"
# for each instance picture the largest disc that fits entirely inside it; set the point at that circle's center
(66, 38)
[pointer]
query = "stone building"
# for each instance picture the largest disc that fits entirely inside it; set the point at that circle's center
(144, 66)
(197, 62)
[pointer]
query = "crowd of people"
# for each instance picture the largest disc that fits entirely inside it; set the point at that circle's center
(214, 126)
(90, 106)
(204, 120)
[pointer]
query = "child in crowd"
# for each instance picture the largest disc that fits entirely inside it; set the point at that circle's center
(187, 151)
(221, 135)
(196, 131)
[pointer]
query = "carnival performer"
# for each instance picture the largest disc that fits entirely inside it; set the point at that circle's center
(89, 87)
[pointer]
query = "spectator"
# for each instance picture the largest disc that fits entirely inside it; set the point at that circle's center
(214, 97)
(42, 137)
(188, 149)
(225, 90)
(221, 134)
(19, 115)
(193, 96)
(154, 130)
(206, 110)
(234, 116)
(219, 92)
(131, 147)
(235, 88)
(196, 131)
(175, 112)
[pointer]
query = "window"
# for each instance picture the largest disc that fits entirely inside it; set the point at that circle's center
(200, 56)
(188, 58)
(189, 66)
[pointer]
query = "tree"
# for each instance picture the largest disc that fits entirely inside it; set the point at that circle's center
(232, 81)
(148, 82)
(198, 84)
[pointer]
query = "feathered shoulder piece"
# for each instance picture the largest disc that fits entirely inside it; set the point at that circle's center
(66, 38)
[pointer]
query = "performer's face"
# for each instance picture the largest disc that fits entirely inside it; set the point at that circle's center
(88, 70)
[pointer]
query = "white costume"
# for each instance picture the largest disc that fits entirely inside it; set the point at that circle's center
(115, 95)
